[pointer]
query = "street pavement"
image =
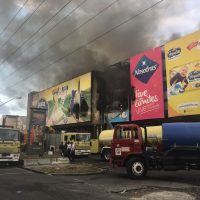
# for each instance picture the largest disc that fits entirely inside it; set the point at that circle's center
(19, 184)
(16, 183)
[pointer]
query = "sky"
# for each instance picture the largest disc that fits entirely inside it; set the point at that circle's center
(47, 42)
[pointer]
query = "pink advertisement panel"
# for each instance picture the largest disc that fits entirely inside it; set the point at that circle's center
(147, 81)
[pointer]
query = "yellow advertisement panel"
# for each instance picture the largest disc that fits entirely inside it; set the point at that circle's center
(182, 58)
(68, 102)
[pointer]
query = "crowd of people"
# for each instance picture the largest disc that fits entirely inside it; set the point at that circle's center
(67, 150)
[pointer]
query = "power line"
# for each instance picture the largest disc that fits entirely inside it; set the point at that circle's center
(98, 37)
(66, 36)
(35, 33)
(14, 17)
(86, 44)
(23, 23)
(41, 37)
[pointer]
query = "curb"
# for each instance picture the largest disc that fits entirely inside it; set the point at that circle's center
(32, 170)
(75, 174)
(100, 171)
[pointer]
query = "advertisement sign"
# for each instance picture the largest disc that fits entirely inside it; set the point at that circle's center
(38, 118)
(147, 81)
(37, 123)
(68, 102)
(182, 58)
(118, 116)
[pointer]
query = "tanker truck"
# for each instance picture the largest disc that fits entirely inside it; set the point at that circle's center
(172, 146)
(105, 139)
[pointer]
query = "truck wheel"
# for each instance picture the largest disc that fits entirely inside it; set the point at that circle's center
(106, 156)
(136, 168)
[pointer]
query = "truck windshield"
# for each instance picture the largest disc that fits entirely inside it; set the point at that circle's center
(123, 133)
(6, 134)
(83, 137)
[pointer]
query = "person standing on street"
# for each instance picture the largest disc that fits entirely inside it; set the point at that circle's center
(72, 153)
(61, 148)
(68, 149)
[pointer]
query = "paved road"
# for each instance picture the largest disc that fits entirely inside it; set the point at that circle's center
(19, 184)
(116, 181)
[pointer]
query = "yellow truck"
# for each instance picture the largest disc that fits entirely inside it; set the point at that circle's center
(9, 145)
(102, 144)
(81, 141)
(105, 139)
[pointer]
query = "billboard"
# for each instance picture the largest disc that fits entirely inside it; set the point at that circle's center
(146, 79)
(68, 102)
(37, 123)
(182, 58)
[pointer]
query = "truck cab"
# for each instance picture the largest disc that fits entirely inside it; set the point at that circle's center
(176, 147)
(129, 149)
(9, 145)
(127, 141)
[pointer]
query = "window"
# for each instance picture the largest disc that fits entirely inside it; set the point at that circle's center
(72, 137)
(123, 133)
(8, 134)
(65, 138)
(83, 137)
(135, 133)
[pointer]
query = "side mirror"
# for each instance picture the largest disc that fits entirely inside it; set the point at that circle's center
(132, 92)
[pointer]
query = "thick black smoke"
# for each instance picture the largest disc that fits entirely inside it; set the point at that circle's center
(33, 70)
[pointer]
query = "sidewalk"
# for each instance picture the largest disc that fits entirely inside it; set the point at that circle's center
(66, 169)
(56, 165)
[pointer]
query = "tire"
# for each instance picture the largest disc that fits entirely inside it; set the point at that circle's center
(106, 155)
(21, 163)
(136, 168)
